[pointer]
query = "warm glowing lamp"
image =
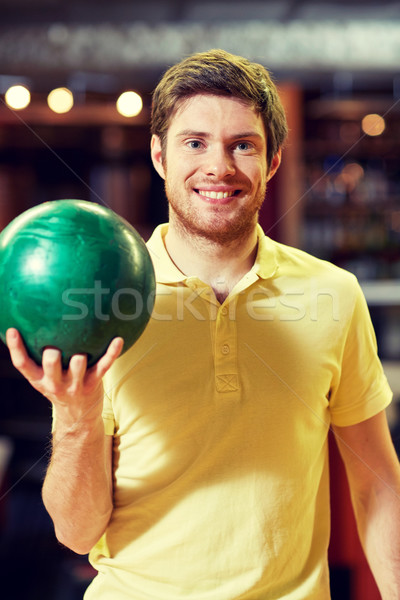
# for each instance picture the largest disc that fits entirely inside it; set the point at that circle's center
(17, 97)
(60, 100)
(129, 104)
(373, 124)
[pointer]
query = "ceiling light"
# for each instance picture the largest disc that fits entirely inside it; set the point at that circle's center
(17, 97)
(60, 100)
(129, 104)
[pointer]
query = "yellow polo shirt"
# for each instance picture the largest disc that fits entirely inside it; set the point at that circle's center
(220, 415)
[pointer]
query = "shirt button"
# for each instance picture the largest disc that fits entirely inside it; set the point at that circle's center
(224, 311)
(225, 349)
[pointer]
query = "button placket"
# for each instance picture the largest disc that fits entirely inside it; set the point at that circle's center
(226, 375)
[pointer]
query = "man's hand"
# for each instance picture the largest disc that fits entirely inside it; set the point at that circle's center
(77, 393)
(79, 506)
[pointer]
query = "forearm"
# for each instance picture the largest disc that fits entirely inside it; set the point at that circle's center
(373, 473)
(77, 490)
(378, 521)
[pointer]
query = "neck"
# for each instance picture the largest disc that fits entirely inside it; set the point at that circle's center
(220, 265)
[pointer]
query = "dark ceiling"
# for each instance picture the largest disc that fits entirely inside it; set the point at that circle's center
(24, 12)
(106, 45)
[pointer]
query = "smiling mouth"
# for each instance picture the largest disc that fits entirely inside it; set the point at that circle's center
(217, 195)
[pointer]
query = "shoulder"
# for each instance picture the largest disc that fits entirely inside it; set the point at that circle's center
(293, 262)
(322, 282)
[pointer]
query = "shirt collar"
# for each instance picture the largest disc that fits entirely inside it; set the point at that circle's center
(265, 265)
(166, 271)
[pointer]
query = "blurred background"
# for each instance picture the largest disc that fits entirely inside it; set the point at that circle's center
(66, 132)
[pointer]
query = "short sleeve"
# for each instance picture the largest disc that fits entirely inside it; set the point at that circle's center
(362, 389)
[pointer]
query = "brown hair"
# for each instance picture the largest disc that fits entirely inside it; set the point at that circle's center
(219, 72)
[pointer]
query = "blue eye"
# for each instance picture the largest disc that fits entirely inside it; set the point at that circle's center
(243, 146)
(195, 144)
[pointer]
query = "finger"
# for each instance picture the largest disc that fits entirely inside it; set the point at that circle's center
(105, 362)
(77, 367)
(51, 363)
(19, 355)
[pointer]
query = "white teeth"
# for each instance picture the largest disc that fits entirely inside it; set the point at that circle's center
(215, 195)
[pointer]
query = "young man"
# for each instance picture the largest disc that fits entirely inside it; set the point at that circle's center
(204, 472)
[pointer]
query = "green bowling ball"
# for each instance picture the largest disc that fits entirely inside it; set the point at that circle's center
(74, 275)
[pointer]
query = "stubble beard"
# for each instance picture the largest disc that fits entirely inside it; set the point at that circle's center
(217, 229)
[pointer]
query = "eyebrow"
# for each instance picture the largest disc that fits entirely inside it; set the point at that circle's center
(205, 134)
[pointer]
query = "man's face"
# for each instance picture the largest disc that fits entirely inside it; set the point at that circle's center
(215, 167)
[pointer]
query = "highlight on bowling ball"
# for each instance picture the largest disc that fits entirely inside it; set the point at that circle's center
(74, 275)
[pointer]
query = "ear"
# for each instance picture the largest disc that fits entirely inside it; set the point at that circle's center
(156, 155)
(275, 162)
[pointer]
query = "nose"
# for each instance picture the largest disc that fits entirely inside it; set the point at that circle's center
(219, 162)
